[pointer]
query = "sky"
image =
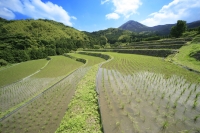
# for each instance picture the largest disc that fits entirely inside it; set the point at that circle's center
(94, 15)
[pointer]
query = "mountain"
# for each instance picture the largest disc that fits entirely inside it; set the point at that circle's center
(160, 29)
(193, 24)
(134, 26)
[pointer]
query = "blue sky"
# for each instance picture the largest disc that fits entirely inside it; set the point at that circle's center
(94, 15)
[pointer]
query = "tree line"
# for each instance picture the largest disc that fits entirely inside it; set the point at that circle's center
(20, 50)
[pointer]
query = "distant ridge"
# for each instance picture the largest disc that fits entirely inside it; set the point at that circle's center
(135, 26)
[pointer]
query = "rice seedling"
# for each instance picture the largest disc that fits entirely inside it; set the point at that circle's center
(175, 105)
(122, 106)
(196, 118)
(195, 104)
(165, 125)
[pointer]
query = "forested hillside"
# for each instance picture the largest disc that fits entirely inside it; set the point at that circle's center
(112, 35)
(116, 37)
(22, 40)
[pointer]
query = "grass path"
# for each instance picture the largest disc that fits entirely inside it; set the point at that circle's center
(83, 111)
(82, 114)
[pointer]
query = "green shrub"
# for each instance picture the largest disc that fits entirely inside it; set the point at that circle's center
(48, 58)
(196, 39)
(3, 62)
(75, 58)
(81, 60)
(106, 57)
(195, 55)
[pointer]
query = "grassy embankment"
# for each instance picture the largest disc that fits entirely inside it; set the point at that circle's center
(184, 58)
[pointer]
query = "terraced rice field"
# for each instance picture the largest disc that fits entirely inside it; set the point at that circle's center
(44, 112)
(128, 93)
(160, 48)
(15, 94)
(146, 94)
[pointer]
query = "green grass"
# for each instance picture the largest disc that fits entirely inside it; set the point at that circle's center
(17, 72)
(58, 66)
(82, 114)
(92, 60)
(183, 57)
(138, 63)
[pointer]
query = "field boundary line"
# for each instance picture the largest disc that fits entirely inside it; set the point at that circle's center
(28, 75)
(34, 98)
(37, 71)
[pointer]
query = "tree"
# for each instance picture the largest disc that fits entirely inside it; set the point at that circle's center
(199, 29)
(178, 29)
(60, 51)
(124, 38)
(6, 54)
(50, 51)
(20, 55)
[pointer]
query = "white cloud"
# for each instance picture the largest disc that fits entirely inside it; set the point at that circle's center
(14, 5)
(103, 2)
(176, 10)
(124, 7)
(37, 9)
(6, 13)
(73, 17)
(112, 16)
